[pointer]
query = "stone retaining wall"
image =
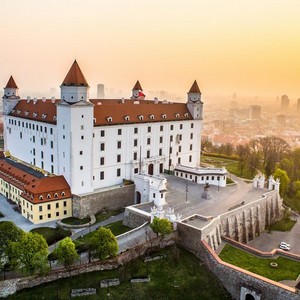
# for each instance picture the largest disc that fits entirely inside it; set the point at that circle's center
(114, 198)
(134, 217)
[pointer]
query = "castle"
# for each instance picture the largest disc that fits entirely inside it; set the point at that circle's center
(91, 144)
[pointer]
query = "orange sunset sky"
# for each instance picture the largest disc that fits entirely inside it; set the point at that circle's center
(248, 47)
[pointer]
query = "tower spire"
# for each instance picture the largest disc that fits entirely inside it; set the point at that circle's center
(11, 84)
(75, 76)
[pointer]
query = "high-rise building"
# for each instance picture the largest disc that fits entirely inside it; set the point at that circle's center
(298, 106)
(255, 112)
(100, 91)
(285, 101)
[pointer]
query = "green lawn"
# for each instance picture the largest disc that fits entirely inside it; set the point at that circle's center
(103, 215)
(52, 235)
(76, 221)
(287, 269)
(232, 166)
(177, 276)
(116, 228)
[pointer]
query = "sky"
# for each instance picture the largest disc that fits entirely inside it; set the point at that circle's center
(250, 48)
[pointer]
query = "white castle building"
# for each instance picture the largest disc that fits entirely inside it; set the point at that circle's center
(96, 143)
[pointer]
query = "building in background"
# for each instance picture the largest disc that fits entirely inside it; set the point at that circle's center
(285, 101)
(255, 112)
(100, 91)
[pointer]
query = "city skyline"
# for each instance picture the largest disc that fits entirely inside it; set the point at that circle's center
(247, 47)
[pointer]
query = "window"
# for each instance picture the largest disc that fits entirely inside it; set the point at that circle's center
(181, 126)
(153, 195)
(190, 158)
(52, 158)
(119, 144)
(148, 141)
(64, 137)
(172, 127)
(191, 136)
(171, 138)
(179, 160)
(82, 116)
(65, 203)
(161, 139)
(119, 158)
(148, 154)
(171, 150)
(49, 216)
(135, 156)
(52, 169)
(51, 130)
(101, 175)
(179, 149)
(51, 144)
(101, 161)
(81, 127)
(102, 133)
(118, 172)
(191, 147)
(80, 152)
(149, 128)
(33, 151)
(161, 128)
(136, 130)
(20, 135)
(42, 165)
(82, 137)
(81, 167)
(102, 147)
(40, 208)
(49, 206)
(57, 205)
(41, 217)
(160, 152)
(192, 125)
(33, 139)
(57, 213)
(135, 143)
(136, 170)
(119, 131)
(65, 212)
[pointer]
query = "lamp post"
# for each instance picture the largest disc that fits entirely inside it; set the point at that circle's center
(186, 192)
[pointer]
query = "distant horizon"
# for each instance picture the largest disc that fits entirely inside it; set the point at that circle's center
(248, 48)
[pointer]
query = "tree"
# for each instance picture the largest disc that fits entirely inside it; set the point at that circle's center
(161, 226)
(104, 244)
(31, 253)
(243, 154)
(9, 233)
(284, 180)
(66, 253)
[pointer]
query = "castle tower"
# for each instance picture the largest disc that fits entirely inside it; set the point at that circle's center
(74, 132)
(194, 103)
(11, 96)
(137, 92)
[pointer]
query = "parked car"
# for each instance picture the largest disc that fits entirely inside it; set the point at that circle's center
(285, 244)
(284, 247)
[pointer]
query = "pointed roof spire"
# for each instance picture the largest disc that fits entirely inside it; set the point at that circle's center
(11, 83)
(195, 88)
(75, 76)
(137, 86)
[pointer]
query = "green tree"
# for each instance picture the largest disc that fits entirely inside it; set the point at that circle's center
(31, 253)
(66, 253)
(161, 226)
(9, 233)
(104, 244)
(243, 153)
(284, 180)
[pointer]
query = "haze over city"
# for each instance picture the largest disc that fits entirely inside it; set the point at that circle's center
(246, 47)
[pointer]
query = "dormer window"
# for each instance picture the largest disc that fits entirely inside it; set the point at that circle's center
(109, 119)
(186, 115)
(54, 118)
(164, 116)
(41, 197)
(44, 116)
(141, 117)
(26, 113)
(127, 118)
(176, 116)
(13, 110)
(48, 196)
(151, 117)
(55, 195)
(34, 115)
(18, 112)
(95, 120)
(63, 194)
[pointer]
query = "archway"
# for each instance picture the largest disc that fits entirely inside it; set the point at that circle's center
(249, 297)
(150, 169)
(137, 197)
(161, 168)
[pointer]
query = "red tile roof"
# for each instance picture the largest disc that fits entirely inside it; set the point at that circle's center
(11, 83)
(34, 185)
(75, 77)
(121, 111)
(195, 88)
(137, 86)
